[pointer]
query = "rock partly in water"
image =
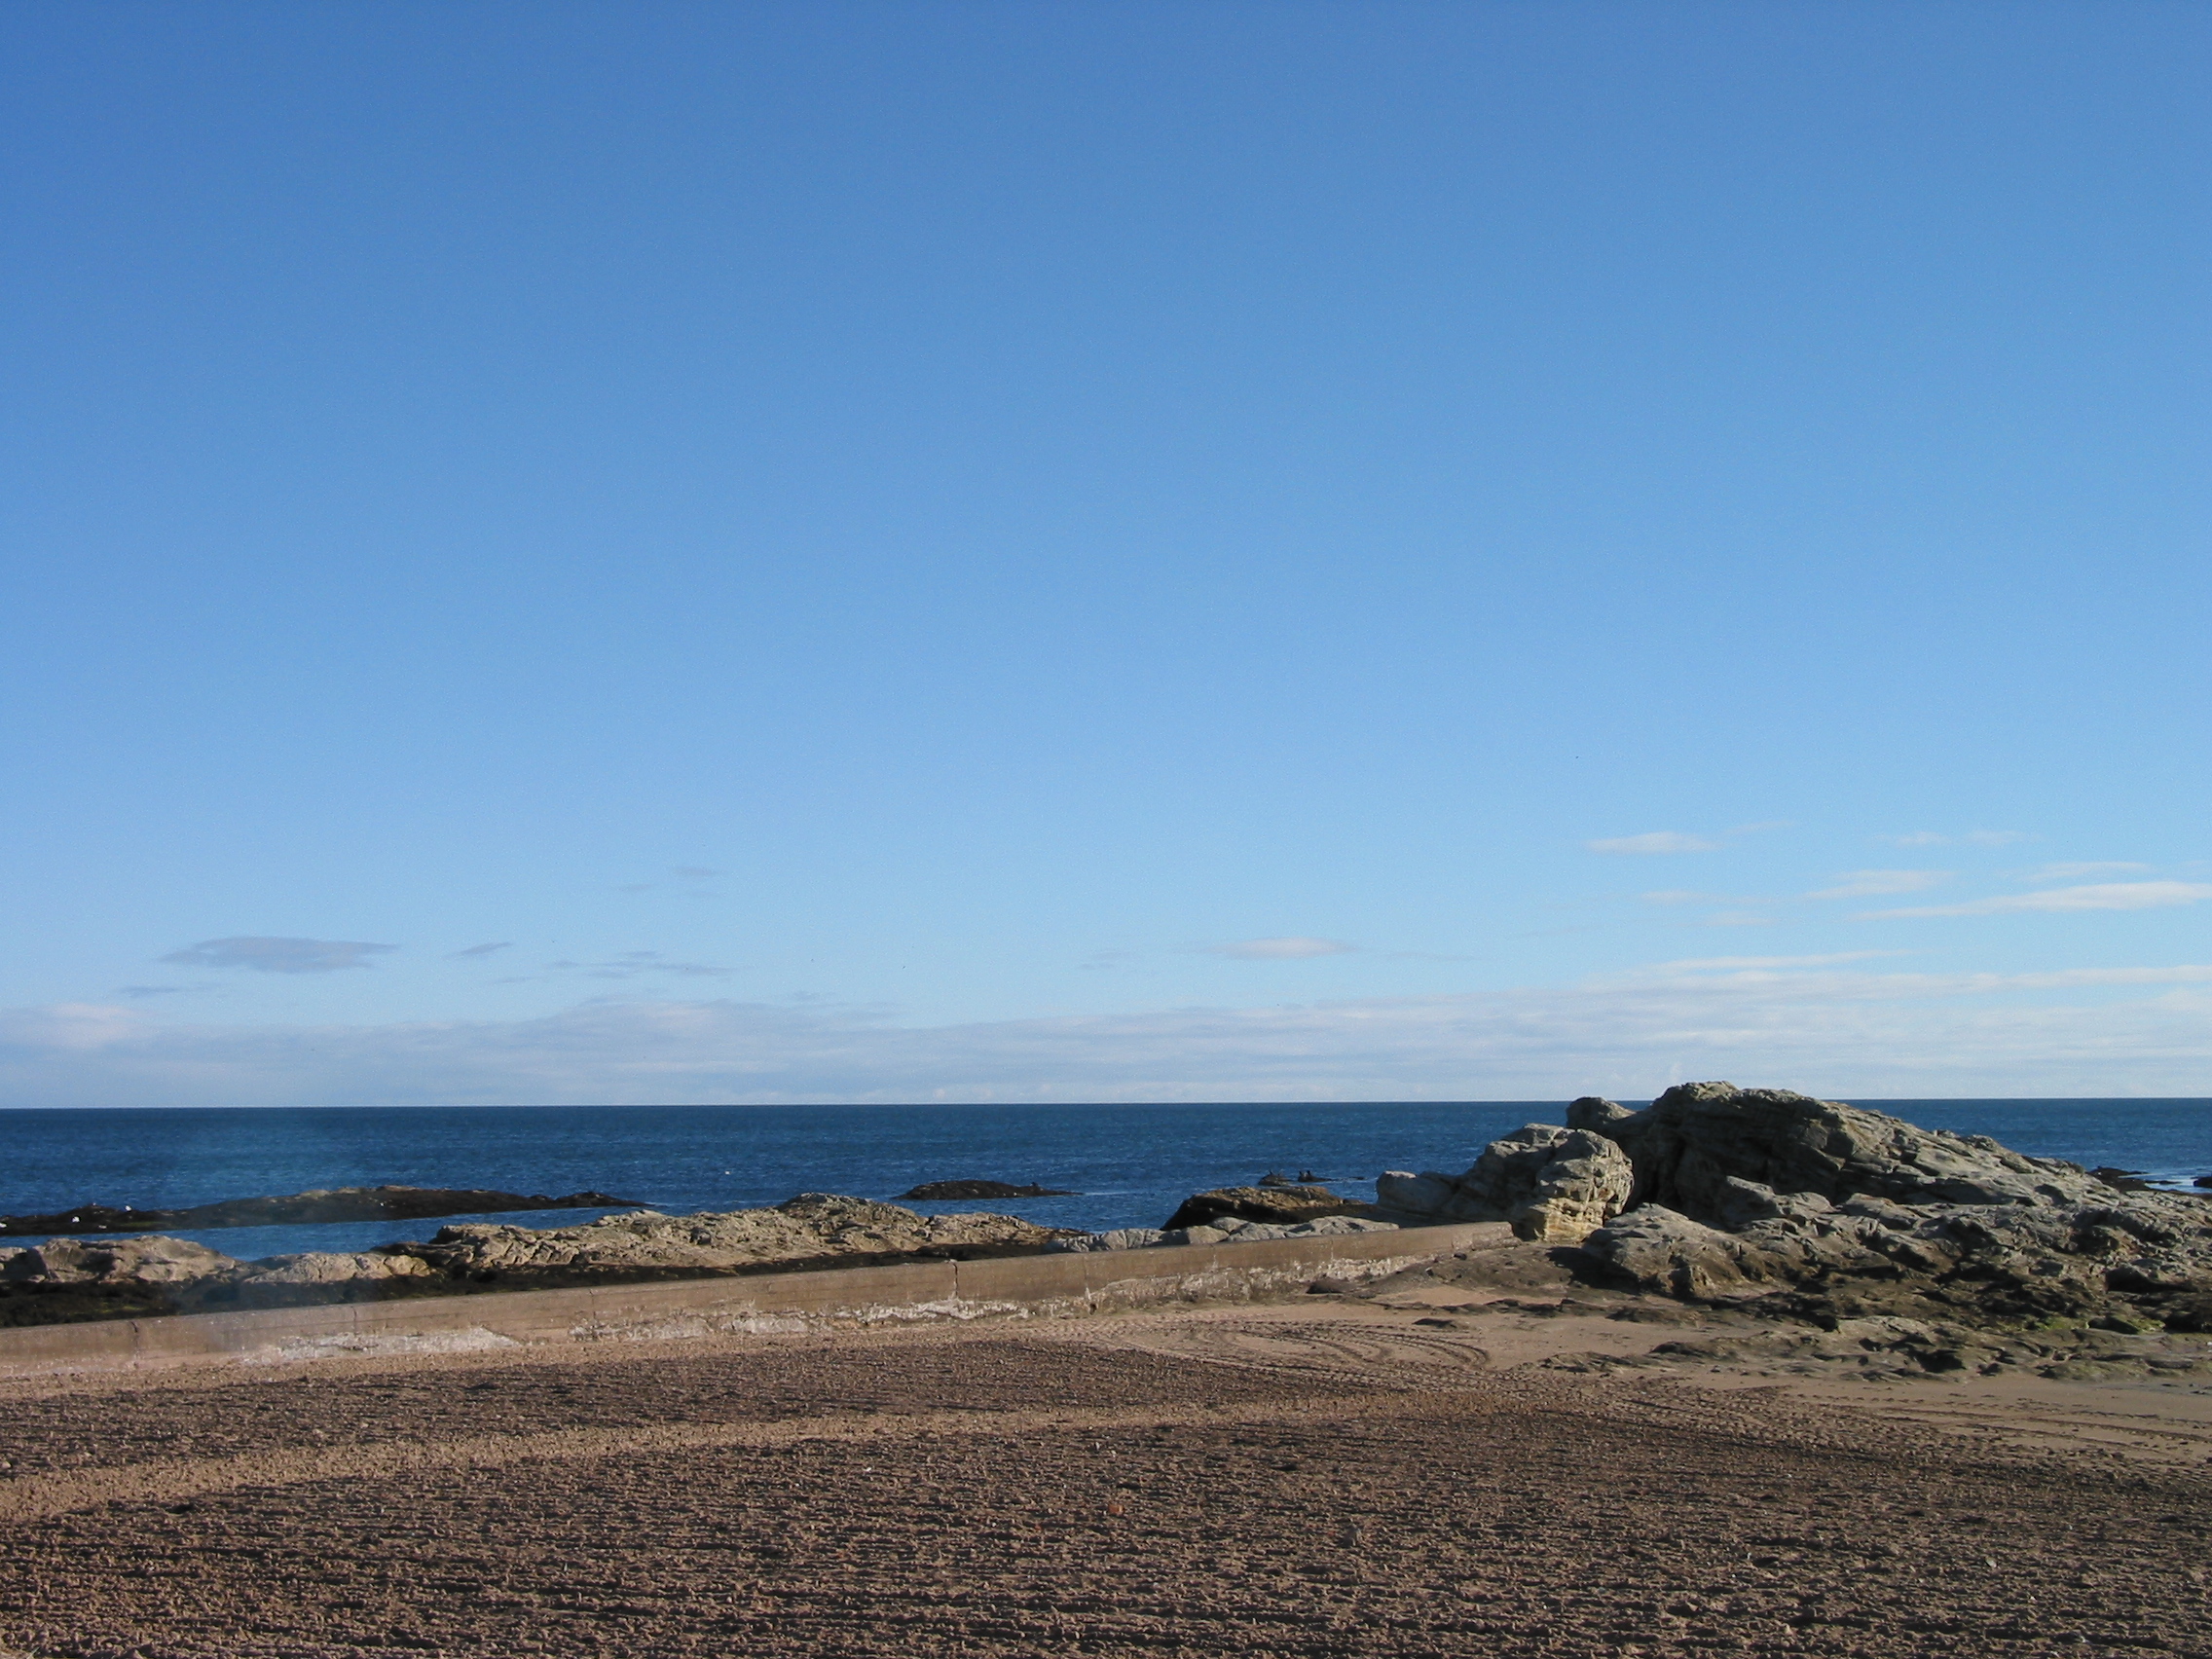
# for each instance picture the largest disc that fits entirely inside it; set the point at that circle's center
(306, 1210)
(812, 1226)
(68, 1278)
(1690, 1141)
(1290, 1205)
(937, 1192)
(1553, 1184)
(1838, 1211)
(2123, 1180)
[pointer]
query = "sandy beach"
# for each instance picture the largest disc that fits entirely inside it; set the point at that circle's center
(1324, 1476)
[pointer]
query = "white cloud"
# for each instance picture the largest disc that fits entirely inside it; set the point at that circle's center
(632, 963)
(280, 955)
(1280, 949)
(1707, 964)
(2076, 871)
(2107, 896)
(1873, 883)
(1655, 841)
(1972, 838)
(1828, 1028)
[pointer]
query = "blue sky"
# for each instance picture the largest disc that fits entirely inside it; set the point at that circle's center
(665, 552)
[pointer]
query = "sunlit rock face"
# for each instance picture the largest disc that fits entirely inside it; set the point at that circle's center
(1745, 1193)
(1552, 1184)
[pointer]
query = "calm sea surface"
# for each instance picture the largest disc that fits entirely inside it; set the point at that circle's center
(1130, 1165)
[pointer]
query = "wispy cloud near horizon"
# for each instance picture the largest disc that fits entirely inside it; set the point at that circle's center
(1972, 838)
(280, 955)
(1879, 883)
(2076, 871)
(1290, 950)
(1654, 842)
(1802, 1022)
(2105, 896)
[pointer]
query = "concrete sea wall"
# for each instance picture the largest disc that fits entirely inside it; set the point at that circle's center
(1034, 1287)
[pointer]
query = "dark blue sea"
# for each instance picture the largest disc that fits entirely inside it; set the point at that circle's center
(1129, 1166)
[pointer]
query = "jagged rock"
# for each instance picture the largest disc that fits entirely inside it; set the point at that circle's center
(1595, 1112)
(1661, 1250)
(1688, 1143)
(1260, 1203)
(318, 1267)
(808, 1228)
(1834, 1209)
(2122, 1180)
(132, 1261)
(1553, 1185)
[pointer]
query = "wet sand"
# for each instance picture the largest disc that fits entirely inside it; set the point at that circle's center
(1321, 1477)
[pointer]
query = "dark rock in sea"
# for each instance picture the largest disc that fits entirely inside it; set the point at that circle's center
(2203, 1181)
(1263, 1203)
(2123, 1180)
(940, 1190)
(302, 1210)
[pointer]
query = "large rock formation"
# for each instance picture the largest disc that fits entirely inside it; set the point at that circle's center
(1697, 1137)
(1765, 1194)
(1553, 1185)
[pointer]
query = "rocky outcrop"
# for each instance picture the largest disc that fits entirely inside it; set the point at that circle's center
(1749, 1194)
(1553, 1184)
(812, 1226)
(1694, 1138)
(937, 1192)
(118, 1262)
(1287, 1205)
(306, 1209)
(71, 1278)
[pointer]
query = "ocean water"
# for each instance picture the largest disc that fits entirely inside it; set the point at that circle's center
(1126, 1165)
